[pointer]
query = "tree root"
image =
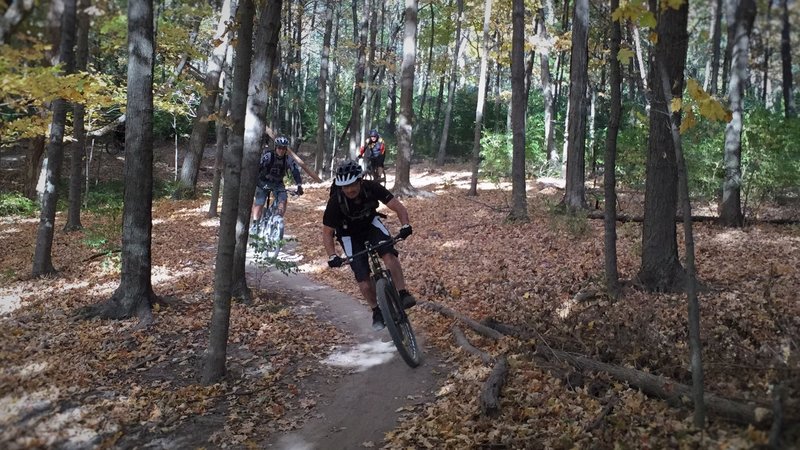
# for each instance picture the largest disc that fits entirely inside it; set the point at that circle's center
(462, 342)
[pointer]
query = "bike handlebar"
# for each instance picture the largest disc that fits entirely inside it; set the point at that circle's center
(390, 241)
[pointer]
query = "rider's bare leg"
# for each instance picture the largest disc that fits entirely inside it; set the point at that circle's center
(255, 212)
(367, 289)
(281, 208)
(393, 264)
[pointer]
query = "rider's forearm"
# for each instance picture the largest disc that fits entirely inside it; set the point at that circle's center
(400, 210)
(327, 241)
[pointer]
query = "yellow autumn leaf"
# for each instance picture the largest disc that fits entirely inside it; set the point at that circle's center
(653, 38)
(676, 104)
(624, 55)
(689, 121)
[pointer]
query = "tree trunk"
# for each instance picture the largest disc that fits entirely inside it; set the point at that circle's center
(730, 17)
(263, 64)
(322, 100)
(197, 141)
(786, 61)
(370, 73)
(13, 16)
(519, 208)
(78, 130)
(610, 160)
(712, 71)
(730, 209)
(767, 53)
(135, 292)
(358, 94)
(575, 191)
(402, 183)
(214, 368)
(547, 88)
(476, 142)
(42, 257)
(451, 86)
(637, 42)
(660, 269)
(427, 75)
(222, 139)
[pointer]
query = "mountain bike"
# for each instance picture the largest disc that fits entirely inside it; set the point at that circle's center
(394, 316)
(270, 226)
(372, 172)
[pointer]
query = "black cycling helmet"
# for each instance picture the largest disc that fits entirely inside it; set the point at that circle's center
(281, 141)
(374, 132)
(348, 173)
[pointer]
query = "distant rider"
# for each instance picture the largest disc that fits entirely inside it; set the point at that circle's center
(375, 149)
(271, 172)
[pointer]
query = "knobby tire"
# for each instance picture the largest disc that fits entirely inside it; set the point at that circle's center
(397, 322)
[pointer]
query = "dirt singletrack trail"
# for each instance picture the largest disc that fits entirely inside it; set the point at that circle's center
(356, 410)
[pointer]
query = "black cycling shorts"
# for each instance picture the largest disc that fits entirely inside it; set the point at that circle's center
(374, 233)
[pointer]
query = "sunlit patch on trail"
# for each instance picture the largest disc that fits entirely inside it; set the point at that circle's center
(363, 356)
(294, 442)
(10, 299)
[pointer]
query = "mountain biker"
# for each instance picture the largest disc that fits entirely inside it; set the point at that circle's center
(375, 148)
(271, 172)
(351, 215)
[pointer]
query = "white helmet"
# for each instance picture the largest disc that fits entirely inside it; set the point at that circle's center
(348, 173)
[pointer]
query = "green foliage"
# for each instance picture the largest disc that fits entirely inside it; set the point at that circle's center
(260, 258)
(106, 199)
(632, 147)
(16, 204)
(770, 154)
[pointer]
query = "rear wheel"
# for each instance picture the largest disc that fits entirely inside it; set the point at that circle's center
(397, 322)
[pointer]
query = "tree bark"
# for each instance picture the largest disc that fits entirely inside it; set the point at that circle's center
(214, 368)
(479, 107)
(786, 64)
(13, 16)
(660, 269)
(730, 209)
(222, 139)
(358, 92)
(451, 87)
(402, 183)
(610, 161)
(263, 64)
(547, 86)
(197, 140)
(322, 100)
(519, 208)
(712, 71)
(575, 191)
(42, 257)
(135, 292)
(78, 129)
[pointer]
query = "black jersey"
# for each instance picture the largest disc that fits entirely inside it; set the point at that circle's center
(350, 217)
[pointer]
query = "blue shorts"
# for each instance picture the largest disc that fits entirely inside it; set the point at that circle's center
(354, 243)
(261, 194)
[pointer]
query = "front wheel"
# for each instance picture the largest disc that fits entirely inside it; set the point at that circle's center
(397, 322)
(274, 236)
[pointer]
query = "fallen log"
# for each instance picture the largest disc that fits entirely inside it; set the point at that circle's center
(674, 393)
(464, 343)
(490, 394)
(480, 329)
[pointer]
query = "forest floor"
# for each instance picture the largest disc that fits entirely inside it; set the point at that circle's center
(68, 383)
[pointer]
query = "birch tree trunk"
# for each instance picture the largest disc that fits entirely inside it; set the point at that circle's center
(730, 209)
(42, 257)
(358, 93)
(402, 182)
(476, 142)
(547, 86)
